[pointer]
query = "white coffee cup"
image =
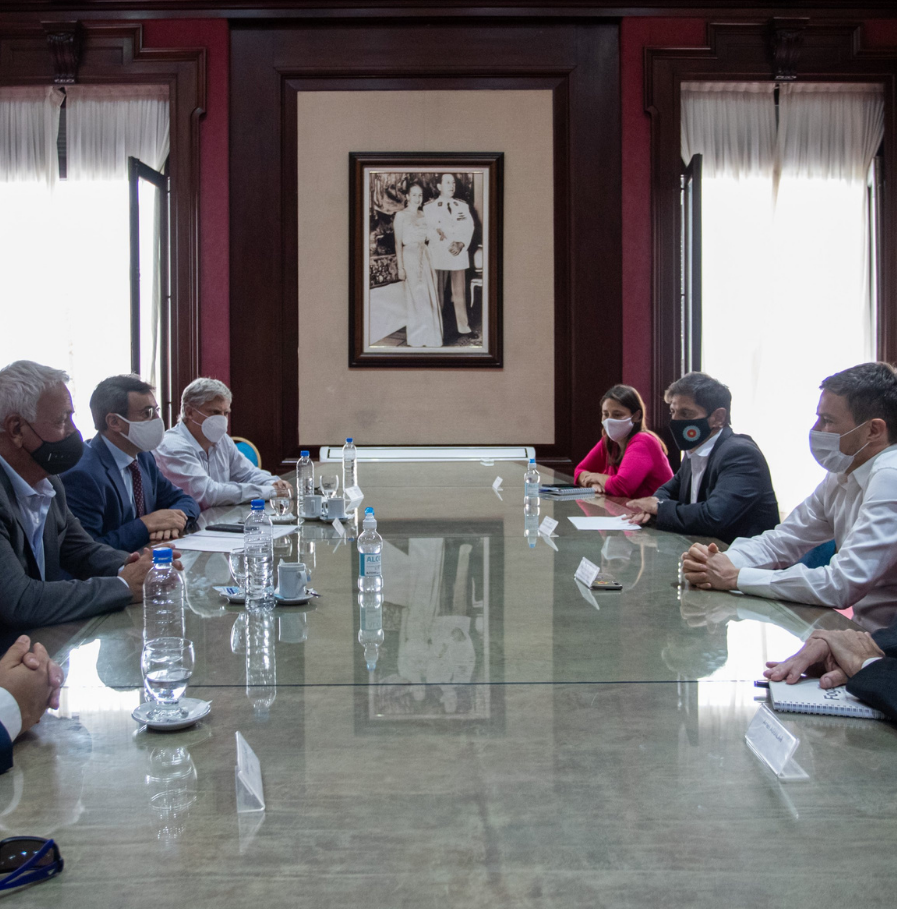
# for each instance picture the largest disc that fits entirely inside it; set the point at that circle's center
(311, 506)
(292, 579)
(335, 508)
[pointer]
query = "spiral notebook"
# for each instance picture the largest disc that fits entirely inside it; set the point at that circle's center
(807, 697)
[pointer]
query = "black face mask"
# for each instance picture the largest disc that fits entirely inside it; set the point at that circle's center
(56, 457)
(688, 434)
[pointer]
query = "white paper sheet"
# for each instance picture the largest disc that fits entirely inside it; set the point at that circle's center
(618, 523)
(221, 541)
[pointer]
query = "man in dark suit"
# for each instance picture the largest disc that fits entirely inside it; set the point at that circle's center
(116, 490)
(29, 684)
(42, 544)
(723, 488)
(866, 663)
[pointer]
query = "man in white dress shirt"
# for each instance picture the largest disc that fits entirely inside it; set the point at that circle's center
(199, 456)
(856, 505)
(450, 228)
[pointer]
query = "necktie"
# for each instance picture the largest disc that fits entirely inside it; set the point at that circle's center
(138, 488)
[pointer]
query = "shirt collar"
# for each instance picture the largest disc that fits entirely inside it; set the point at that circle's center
(861, 474)
(706, 448)
(23, 489)
(184, 430)
(122, 458)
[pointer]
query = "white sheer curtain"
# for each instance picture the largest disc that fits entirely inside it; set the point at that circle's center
(29, 124)
(784, 254)
(64, 251)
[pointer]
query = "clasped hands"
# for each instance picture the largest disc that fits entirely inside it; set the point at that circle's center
(833, 656)
(706, 568)
(32, 678)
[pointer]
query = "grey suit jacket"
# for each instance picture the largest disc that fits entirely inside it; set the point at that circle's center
(26, 601)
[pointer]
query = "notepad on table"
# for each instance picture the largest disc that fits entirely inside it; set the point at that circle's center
(566, 491)
(807, 697)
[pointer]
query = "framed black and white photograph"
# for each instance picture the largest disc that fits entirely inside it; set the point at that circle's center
(424, 251)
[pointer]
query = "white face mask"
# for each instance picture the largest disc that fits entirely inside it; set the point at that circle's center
(146, 434)
(214, 428)
(617, 429)
(826, 448)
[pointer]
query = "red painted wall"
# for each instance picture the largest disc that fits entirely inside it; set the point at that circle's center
(635, 35)
(214, 277)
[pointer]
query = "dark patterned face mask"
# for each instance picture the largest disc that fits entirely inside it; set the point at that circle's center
(688, 434)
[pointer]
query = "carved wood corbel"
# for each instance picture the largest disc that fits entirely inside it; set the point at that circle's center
(787, 40)
(64, 41)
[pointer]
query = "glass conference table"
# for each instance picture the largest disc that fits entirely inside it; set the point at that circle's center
(520, 742)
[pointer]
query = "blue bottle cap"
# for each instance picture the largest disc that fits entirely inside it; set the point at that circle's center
(369, 510)
(258, 505)
(161, 556)
(303, 454)
(348, 441)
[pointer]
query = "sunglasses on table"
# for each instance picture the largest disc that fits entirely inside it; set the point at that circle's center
(26, 860)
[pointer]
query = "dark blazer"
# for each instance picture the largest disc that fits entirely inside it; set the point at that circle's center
(5, 750)
(99, 500)
(736, 497)
(877, 683)
(28, 602)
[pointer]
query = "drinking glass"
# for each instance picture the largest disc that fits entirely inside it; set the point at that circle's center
(329, 484)
(167, 664)
(281, 505)
(239, 568)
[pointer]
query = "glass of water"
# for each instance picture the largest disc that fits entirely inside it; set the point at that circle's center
(167, 664)
(329, 484)
(238, 568)
(281, 505)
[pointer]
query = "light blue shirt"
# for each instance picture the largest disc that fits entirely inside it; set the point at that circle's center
(123, 462)
(34, 506)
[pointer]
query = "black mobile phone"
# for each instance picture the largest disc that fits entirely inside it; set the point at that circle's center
(228, 528)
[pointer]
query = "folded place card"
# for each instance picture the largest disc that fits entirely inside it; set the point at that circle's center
(497, 484)
(338, 527)
(587, 572)
(547, 526)
(547, 539)
(773, 744)
(250, 794)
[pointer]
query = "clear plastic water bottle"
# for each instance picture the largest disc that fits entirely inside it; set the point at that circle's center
(164, 598)
(370, 634)
(258, 543)
(370, 548)
(305, 476)
(350, 460)
(531, 480)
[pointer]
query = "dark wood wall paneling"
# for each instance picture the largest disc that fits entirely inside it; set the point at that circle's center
(744, 52)
(578, 62)
(114, 54)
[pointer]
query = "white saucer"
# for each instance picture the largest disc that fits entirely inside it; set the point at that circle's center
(282, 601)
(195, 709)
(317, 517)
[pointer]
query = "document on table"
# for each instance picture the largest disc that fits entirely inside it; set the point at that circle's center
(617, 523)
(221, 541)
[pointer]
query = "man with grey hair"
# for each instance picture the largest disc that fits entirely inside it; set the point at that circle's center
(199, 456)
(51, 570)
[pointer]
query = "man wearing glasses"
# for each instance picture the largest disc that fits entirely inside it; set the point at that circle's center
(116, 491)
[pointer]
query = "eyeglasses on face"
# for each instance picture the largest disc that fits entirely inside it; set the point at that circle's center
(28, 859)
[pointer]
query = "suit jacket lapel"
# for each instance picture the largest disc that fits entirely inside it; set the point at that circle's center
(115, 477)
(53, 529)
(685, 483)
(710, 470)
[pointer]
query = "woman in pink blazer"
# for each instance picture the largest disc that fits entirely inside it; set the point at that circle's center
(629, 460)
